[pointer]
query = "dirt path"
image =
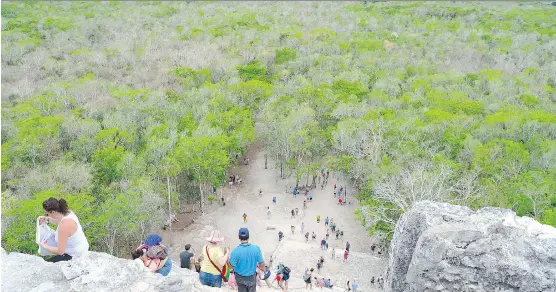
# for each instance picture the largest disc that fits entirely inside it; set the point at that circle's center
(245, 199)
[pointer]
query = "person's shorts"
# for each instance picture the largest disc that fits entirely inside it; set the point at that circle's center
(308, 281)
(286, 277)
(210, 280)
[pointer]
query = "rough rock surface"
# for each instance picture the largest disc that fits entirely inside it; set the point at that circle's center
(442, 247)
(92, 271)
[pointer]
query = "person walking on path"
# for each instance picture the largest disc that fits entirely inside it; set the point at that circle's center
(268, 212)
(318, 219)
(323, 243)
(274, 200)
(307, 278)
(333, 225)
(245, 258)
(346, 253)
(347, 245)
(296, 211)
(293, 213)
(302, 227)
(333, 253)
(304, 204)
(260, 192)
(244, 218)
(354, 286)
(327, 235)
(326, 221)
(307, 237)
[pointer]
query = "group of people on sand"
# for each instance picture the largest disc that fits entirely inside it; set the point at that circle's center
(240, 268)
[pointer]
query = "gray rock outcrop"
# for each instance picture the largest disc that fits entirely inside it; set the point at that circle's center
(442, 247)
(92, 271)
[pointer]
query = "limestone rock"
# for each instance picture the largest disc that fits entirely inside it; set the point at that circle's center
(92, 271)
(442, 247)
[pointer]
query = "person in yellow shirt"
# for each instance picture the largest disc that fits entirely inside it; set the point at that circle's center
(213, 260)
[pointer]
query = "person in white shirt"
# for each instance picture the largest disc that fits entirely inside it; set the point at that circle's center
(69, 237)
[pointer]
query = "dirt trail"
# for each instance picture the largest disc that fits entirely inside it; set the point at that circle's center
(245, 199)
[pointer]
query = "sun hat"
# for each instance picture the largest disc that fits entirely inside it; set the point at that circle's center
(215, 236)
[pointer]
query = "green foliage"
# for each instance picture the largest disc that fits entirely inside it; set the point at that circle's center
(528, 100)
(107, 164)
(285, 55)
(193, 77)
(346, 88)
(253, 71)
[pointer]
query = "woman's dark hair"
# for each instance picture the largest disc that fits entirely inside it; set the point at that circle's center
(136, 253)
(52, 204)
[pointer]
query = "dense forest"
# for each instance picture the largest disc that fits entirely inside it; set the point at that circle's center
(127, 109)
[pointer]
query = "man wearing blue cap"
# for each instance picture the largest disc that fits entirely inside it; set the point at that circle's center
(245, 258)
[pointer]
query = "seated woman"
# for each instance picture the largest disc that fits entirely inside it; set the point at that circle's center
(154, 255)
(70, 239)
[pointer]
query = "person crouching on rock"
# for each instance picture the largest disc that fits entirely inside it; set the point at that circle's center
(69, 237)
(154, 255)
(213, 260)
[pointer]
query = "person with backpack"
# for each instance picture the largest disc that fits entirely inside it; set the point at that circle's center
(323, 243)
(337, 234)
(244, 259)
(318, 219)
(154, 255)
(280, 235)
(244, 218)
(319, 266)
(274, 200)
(285, 272)
(214, 259)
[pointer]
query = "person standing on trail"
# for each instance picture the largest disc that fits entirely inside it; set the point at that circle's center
(307, 278)
(274, 200)
(314, 235)
(334, 186)
(337, 234)
(213, 260)
(304, 204)
(260, 192)
(318, 218)
(346, 256)
(354, 286)
(333, 227)
(327, 235)
(323, 243)
(293, 229)
(293, 213)
(326, 221)
(342, 235)
(302, 227)
(244, 259)
(296, 211)
(244, 218)
(294, 192)
(334, 193)
(347, 245)
(333, 253)
(307, 237)
(268, 212)
(319, 266)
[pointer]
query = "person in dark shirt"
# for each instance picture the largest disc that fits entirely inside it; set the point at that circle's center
(185, 257)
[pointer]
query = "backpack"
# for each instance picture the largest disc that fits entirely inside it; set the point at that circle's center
(286, 270)
(306, 277)
(156, 252)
